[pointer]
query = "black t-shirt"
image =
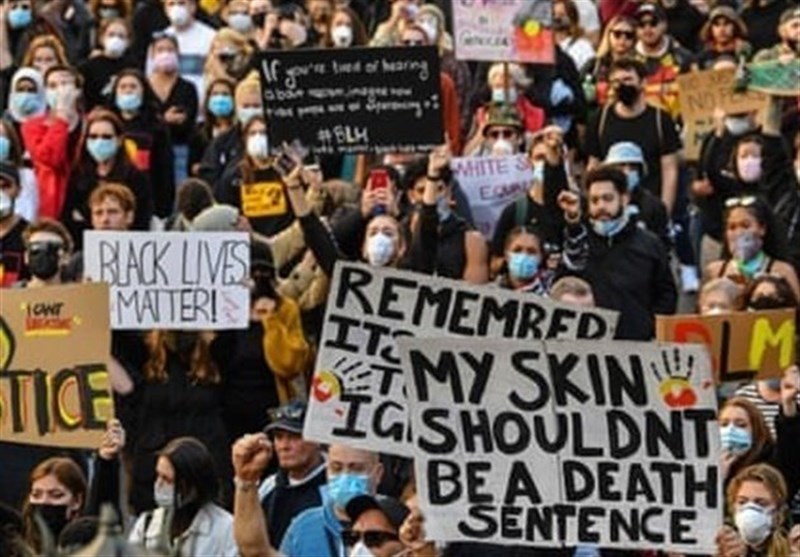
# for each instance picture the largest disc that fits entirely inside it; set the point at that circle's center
(653, 130)
(12, 250)
(262, 200)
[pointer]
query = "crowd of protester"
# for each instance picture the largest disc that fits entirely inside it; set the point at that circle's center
(147, 115)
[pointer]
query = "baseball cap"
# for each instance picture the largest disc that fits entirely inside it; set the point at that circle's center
(395, 511)
(651, 9)
(789, 14)
(289, 417)
(503, 115)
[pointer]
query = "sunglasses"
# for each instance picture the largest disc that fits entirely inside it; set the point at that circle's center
(288, 412)
(649, 23)
(630, 35)
(372, 538)
(413, 43)
(504, 134)
(745, 201)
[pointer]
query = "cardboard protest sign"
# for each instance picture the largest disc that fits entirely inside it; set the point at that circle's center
(54, 348)
(357, 394)
(614, 444)
(354, 100)
(491, 183)
(504, 31)
(743, 345)
(172, 280)
(700, 93)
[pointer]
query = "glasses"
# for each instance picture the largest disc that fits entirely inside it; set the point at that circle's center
(504, 134)
(649, 23)
(630, 35)
(293, 411)
(412, 43)
(745, 201)
(372, 538)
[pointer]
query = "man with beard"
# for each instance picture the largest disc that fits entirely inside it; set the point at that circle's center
(626, 266)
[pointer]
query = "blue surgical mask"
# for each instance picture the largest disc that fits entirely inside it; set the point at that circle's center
(25, 102)
(522, 266)
(633, 179)
(5, 148)
(443, 208)
(345, 486)
(220, 106)
(735, 439)
(610, 228)
(499, 95)
(102, 150)
(19, 18)
(246, 114)
(51, 96)
(129, 102)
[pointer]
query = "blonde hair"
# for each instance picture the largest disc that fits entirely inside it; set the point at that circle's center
(202, 369)
(225, 35)
(45, 41)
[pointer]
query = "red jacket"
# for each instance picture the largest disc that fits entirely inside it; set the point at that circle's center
(47, 140)
(451, 112)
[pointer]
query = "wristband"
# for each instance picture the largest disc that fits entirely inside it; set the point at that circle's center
(245, 485)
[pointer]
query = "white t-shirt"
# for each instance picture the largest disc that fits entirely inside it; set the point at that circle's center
(580, 50)
(194, 43)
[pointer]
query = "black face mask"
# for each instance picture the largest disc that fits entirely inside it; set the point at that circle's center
(561, 23)
(793, 44)
(627, 94)
(55, 516)
(43, 260)
(766, 302)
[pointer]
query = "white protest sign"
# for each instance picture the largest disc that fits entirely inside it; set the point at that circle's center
(613, 444)
(172, 280)
(357, 394)
(491, 183)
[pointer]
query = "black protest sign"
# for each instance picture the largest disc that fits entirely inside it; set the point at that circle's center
(357, 394)
(354, 100)
(613, 444)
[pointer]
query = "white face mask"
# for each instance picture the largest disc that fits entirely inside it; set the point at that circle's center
(258, 146)
(361, 550)
(164, 495)
(430, 28)
(342, 36)
(380, 249)
(502, 148)
(178, 15)
(115, 46)
(754, 523)
(240, 22)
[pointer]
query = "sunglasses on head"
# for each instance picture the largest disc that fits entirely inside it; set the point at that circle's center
(288, 412)
(504, 134)
(745, 201)
(649, 23)
(630, 35)
(41, 247)
(372, 538)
